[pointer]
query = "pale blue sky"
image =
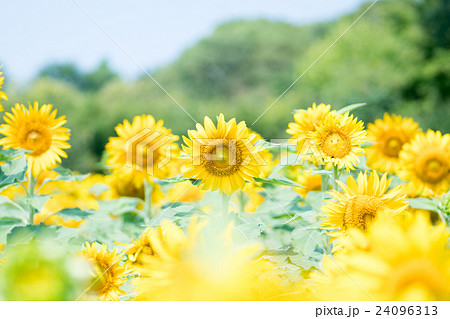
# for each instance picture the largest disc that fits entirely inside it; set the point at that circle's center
(155, 32)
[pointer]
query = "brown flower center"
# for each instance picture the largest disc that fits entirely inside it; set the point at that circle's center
(361, 210)
(336, 145)
(392, 147)
(432, 168)
(222, 157)
(35, 139)
(417, 275)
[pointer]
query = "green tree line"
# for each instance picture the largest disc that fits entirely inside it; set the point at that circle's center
(396, 58)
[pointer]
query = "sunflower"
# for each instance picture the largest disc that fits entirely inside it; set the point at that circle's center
(305, 122)
(39, 131)
(310, 182)
(392, 261)
(206, 265)
(2, 94)
(141, 150)
(224, 157)
(389, 136)
(108, 274)
(338, 139)
(360, 202)
(425, 162)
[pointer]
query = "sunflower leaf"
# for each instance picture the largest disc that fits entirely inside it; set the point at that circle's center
(277, 179)
(350, 108)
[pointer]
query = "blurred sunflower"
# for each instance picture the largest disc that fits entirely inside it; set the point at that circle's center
(311, 182)
(339, 138)
(141, 149)
(305, 122)
(2, 94)
(425, 162)
(108, 274)
(360, 202)
(199, 267)
(389, 136)
(222, 158)
(39, 131)
(392, 261)
(165, 241)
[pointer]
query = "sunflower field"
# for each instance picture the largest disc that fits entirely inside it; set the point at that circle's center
(342, 210)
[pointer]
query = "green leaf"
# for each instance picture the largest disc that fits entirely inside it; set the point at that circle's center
(177, 179)
(321, 172)
(23, 234)
(9, 209)
(74, 213)
(422, 203)
(39, 201)
(13, 171)
(277, 179)
(350, 108)
(119, 206)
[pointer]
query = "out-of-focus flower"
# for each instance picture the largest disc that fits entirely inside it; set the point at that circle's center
(389, 136)
(392, 261)
(425, 162)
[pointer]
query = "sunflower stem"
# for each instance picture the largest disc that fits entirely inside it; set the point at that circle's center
(148, 198)
(324, 181)
(31, 194)
(225, 201)
(335, 177)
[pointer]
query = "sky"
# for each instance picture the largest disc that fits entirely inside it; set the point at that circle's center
(154, 32)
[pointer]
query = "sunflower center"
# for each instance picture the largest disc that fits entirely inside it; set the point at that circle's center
(336, 145)
(35, 139)
(392, 147)
(418, 278)
(432, 168)
(221, 158)
(361, 210)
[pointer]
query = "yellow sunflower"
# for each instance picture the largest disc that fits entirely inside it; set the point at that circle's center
(425, 162)
(311, 182)
(37, 130)
(108, 274)
(2, 94)
(389, 136)
(338, 139)
(360, 202)
(305, 122)
(141, 150)
(222, 158)
(206, 265)
(392, 261)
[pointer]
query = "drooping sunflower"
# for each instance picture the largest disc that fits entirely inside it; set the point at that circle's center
(108, 273)
(425, 162)
(338, 139)
(222, 157)
(37, 130)
(360, 202)
(406, 260)
(389, 136)
(2, 94)
(141, 150)
(206, 265)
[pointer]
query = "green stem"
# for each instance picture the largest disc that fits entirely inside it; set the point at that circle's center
(148, 198)
(31, 194)
(225, 203)
(335, 177)
(324, 178)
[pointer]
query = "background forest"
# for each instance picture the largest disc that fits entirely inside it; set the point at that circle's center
(395, 59)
